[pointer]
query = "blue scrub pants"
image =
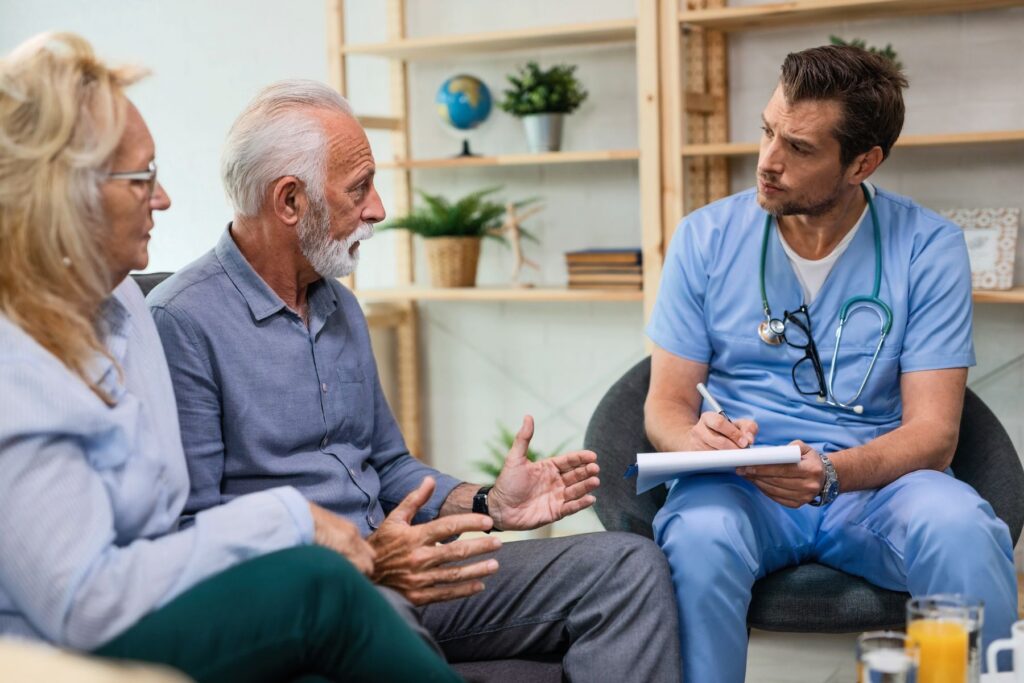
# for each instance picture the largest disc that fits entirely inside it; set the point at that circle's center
(924, 533)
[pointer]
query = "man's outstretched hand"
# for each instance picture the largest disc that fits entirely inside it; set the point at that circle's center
(528, 494)
(412, 560)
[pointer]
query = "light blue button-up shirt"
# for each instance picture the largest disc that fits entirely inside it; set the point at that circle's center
(90, 494)
(265, 400)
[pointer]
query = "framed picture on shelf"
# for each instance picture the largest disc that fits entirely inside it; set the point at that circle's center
(992, 243)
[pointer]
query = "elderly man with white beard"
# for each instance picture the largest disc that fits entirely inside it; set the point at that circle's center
(276, 384)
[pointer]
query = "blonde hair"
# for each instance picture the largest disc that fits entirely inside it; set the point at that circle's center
(62, 115)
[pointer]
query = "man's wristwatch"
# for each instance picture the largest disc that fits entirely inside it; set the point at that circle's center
(480, 505)
(830, 487)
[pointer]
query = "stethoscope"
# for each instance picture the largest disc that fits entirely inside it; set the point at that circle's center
(772, 330)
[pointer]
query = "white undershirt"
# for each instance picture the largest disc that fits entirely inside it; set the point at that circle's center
(812, 273)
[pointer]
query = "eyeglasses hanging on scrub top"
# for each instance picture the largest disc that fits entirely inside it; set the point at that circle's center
(794, 328)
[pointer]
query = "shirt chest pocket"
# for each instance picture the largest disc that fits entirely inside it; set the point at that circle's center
(351, 402)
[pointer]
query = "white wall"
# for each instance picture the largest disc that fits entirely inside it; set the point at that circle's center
(490, 362)
(207, 60)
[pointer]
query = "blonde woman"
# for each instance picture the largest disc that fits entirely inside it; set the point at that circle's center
(92, 475)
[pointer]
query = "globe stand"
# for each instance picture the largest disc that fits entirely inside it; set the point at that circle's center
(465, 150)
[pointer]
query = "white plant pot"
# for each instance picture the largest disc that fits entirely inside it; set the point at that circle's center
(543, 132)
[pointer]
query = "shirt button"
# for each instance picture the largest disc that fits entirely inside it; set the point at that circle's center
(352, 472)
(323, 442)
(323, 387)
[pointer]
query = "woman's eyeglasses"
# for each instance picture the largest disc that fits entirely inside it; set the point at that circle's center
(148, 176)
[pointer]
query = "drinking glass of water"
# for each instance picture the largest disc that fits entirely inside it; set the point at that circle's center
(887, 657)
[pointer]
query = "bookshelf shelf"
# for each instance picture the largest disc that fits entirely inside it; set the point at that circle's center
(800, 12)
(591, 33)
(383, 315)
(1005, 296)
(936, 140)
(516, 159)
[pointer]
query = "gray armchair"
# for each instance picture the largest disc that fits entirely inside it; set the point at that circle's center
(809, 597)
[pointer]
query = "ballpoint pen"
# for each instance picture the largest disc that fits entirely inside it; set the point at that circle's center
(703, 390)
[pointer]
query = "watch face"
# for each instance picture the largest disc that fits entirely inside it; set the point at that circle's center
(833, 491)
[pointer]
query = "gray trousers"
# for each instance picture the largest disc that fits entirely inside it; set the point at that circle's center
(602, 602)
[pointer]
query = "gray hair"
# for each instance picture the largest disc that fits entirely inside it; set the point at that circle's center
(277, 135)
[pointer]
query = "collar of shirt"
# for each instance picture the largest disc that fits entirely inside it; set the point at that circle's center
(113, 325)
(264, 302)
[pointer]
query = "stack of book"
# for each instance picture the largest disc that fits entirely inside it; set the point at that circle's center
(605, 269)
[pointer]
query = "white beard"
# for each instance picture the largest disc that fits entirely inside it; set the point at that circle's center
(330, 258)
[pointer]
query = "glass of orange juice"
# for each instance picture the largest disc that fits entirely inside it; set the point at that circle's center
(947, 629)
(886, 657)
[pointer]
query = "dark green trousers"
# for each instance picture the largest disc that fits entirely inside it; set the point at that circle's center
(302, 612)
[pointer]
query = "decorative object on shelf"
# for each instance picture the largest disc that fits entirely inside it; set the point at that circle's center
(513, 233)
(991, 242)
(452, 233)
(605, 269)
(541, 98)
(886, 51)
(463, 102)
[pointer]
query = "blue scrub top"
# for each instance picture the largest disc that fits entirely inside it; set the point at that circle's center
(709, 307)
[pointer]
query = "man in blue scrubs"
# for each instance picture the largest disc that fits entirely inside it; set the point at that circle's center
(871, 494)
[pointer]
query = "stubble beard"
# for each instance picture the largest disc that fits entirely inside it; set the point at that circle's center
(797, 208)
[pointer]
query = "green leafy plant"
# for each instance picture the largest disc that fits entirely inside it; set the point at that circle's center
(500, 446)
(474, 215)
(886, 51)
(539, 91)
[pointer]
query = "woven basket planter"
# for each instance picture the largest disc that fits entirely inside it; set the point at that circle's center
(452, 260)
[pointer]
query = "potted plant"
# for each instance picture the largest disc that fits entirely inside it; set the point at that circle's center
(452, 233)
(886, 51)
(541, 98)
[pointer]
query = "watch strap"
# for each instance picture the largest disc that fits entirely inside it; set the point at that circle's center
(830, 486)
(480, 504)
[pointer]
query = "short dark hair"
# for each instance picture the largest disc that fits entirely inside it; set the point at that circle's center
(867, 86)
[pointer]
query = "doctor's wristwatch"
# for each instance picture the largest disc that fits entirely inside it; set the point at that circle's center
(830, 487)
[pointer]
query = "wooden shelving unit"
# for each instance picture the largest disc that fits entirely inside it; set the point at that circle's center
(935, 140)
(1005, 296)
(402, 299)
(383, 315)
(571, 35)
(549, 158)
(483, 293)
(797, 12)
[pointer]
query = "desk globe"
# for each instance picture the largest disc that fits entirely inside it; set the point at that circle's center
(463, 103)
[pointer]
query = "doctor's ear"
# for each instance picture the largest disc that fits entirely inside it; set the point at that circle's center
(865, 164)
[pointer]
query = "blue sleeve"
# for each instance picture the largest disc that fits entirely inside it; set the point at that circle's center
(67, 562)
(677, 322)
(939, 327)
(199, 407)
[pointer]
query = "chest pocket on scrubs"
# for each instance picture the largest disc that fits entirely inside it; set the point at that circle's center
(861, 333)
(352, 403)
